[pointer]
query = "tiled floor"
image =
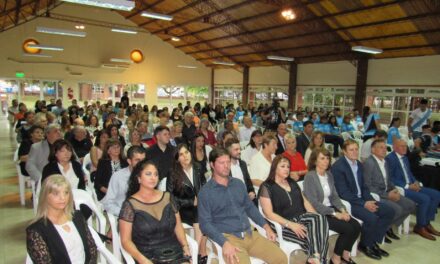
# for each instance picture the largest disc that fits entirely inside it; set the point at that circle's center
(14, 218)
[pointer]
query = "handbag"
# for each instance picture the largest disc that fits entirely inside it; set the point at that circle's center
(168, 255)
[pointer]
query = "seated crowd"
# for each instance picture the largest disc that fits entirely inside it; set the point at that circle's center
(220, 168)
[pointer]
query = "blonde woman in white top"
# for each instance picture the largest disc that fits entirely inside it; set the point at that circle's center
(260, 163)
(317, 141)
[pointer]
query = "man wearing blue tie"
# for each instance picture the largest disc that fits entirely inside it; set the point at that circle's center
(377, 216)
(427, 199)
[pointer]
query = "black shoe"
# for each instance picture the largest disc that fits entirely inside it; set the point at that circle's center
(392, 235)
(350, 261)
(381, 252)
(370, 252)
(387, 240)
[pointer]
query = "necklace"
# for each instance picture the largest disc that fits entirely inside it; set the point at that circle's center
(287, 193)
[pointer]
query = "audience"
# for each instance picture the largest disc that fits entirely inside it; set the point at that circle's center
(253, 147)
(134, 139)
(36, 135)
(298, 167)
(316, 142)
(393, 131)
(282, 201)
(58, 234)
(245, 132)
(371, 123)
(281, 132)
(366, 146)
(418, 118)
(161, 153)
(208, 134)
(304, 139)
(80, 142)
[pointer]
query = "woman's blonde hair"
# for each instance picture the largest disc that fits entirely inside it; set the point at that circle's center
(54, 184)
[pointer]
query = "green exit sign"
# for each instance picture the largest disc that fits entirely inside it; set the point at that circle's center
(19, 74)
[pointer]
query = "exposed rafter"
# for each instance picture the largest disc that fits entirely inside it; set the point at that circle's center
(143, 7)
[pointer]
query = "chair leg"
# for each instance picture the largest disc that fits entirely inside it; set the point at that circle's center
(353, 252)
(22, 189)
(406, 225)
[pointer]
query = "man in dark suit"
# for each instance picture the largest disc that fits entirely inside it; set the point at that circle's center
(376, 216)
(303, 140)
(281, 132)
(239, 167)
(427, 199)
(377, 179)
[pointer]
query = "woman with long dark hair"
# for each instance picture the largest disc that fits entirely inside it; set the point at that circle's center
(283, 202)
(198, 151)
(113, 131)
(111, 161)
(393, 131)
(184, 182)
(253, 147)
(63, 161)
(149, 222)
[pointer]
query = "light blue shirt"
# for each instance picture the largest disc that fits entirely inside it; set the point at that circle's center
(392, 132)
(354, 168)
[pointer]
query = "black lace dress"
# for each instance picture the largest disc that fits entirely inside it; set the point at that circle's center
(153, 229)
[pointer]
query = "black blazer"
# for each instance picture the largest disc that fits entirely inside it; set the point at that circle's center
(185, 198)
(45, 245)
(246, 176)
(103, 174)
(280, 148)
(52, 168)
(302, 143)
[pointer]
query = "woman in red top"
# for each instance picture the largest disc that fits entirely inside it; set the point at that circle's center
(298, 167)
(207, 133)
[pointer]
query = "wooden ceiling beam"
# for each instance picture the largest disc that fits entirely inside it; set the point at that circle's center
(144, 7)
(312, 19)
(274, 51)
(17, 11)
(200, 18)
(253, 17)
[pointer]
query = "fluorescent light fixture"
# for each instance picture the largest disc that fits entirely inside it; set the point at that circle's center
(280, 58)
(157, 16)
(63, 32)
(126, 31)
(37, 55)
(175, 38)
(366, 49)
(80, 27)
(121, 60)
(223, 63)
(123, 5)
(114, 66)
(187, 66)
(44, 47)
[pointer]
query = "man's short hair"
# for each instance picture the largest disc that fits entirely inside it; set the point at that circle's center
(426, 126)
(159, 129)
(380, 134)
(349, 142)
(188, 113)
(216, 153)
(308, 122)
(35, 127)
(424, 101)
(230, 142)
(134, 150)
(377, 141)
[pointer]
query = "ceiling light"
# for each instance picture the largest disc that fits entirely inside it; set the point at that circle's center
(63, 32)
(114, 66)
(121, 60)
(175, 38)
(366, 49)
(44, 47)
(288, 14)
(80, 27)
(37, 55)
(279, 58)
(121, 30)
(223, 63)
(124, 5)
(187, 66)
(157, 16)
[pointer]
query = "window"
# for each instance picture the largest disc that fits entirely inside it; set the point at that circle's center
(326, 97)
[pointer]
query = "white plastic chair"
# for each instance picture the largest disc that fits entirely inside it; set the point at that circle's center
(347, 206)
(116, 242)
(106, 255)
(345, 135)
(162, 186)
(87, 162)
(83, 197)
(405, 224)
(358, 135)
(22, 182)
(243, 144)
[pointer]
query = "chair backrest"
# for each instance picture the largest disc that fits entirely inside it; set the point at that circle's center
(116, 242)
(83, 197)
(345, 135)
(357, 134)
(243, 144)
(102, 249)
(162, 185)
(87, 162)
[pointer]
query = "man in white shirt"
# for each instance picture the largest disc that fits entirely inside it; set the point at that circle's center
(377, 179)
(239, 167)
(418, 118)
(117, 187)
(366, 146)
(246, 131)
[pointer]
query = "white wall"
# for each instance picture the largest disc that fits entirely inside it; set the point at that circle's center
(85, 55)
